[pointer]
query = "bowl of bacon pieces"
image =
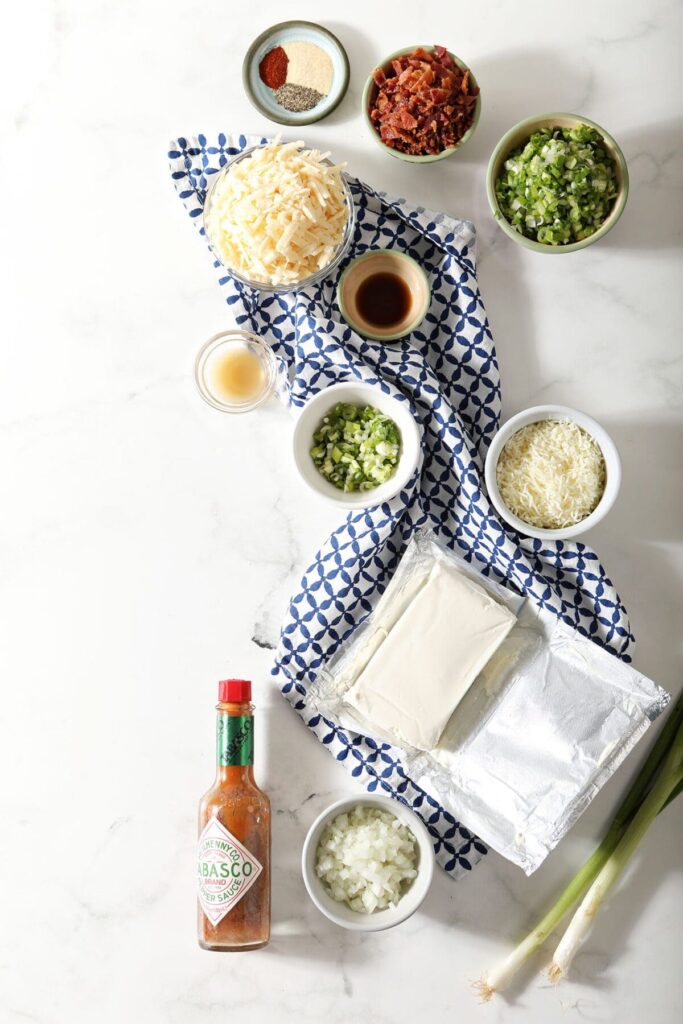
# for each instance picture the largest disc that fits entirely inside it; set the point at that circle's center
(422, 104)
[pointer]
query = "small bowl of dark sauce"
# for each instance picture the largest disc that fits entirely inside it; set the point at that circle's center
(383, 295)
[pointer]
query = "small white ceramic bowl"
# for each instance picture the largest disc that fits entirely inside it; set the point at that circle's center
(601, 438)
(339, 913)
(356, 393)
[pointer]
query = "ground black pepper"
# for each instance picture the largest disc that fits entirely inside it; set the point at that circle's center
(297, 98)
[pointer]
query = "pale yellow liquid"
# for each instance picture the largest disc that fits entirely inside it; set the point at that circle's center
(237, 375)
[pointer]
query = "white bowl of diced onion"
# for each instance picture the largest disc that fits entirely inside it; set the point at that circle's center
(411, 893)
(561, 414)
(262, 285)
(361, 394)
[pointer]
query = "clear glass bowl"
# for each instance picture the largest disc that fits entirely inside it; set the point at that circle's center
(225, 341)
(262, 286)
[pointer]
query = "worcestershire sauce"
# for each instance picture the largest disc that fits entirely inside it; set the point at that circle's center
(383, 299)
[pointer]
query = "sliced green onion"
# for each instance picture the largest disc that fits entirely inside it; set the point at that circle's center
(356, 447)
(559, 187)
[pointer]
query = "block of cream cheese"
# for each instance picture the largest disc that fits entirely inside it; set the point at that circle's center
(425, 664)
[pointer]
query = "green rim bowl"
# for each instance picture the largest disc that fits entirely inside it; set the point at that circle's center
(288, 31)
(429, 158)
(519, 134)
(414, 277)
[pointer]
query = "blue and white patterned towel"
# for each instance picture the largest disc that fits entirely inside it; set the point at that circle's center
(448, 374)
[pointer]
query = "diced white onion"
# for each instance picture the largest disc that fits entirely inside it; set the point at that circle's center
(366, 858)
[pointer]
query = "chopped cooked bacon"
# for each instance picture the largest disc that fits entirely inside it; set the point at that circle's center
(424, 103)
(407, 120)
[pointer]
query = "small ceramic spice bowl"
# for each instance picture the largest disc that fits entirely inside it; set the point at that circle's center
(378, 284)
(313, 59)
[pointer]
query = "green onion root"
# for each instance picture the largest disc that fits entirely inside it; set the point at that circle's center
(499, 978)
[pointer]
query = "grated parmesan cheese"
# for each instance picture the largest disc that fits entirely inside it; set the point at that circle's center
(278, 215)
(551, 474)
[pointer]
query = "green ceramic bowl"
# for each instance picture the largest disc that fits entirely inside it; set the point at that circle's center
(370, 91)
(519, 134)
(263, 98)
(382, 261)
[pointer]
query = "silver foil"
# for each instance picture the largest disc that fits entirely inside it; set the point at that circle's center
(543, 727)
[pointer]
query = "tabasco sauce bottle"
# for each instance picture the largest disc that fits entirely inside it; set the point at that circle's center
(233, 859)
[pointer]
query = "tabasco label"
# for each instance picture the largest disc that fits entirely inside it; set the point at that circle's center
(225, 871)
(235, 739)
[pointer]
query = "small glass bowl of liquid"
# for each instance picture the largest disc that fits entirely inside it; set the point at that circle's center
(236, 371)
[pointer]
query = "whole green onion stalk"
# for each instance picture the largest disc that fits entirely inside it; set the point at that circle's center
(667, 783)
(659, 781)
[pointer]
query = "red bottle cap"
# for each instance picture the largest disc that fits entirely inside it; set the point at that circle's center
(234, 691)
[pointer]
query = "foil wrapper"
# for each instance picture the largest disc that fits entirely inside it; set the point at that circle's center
(542, 728)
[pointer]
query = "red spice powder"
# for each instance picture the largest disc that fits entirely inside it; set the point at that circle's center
(273, 68)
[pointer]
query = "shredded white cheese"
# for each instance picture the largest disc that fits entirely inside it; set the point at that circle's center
(551, 474)
(278, 215)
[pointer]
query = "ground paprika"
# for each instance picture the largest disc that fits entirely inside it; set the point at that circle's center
(273, 68)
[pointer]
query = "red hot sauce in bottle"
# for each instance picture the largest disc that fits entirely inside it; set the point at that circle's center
(233, 858)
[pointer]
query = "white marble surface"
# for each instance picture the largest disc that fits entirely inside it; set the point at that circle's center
(149, 544)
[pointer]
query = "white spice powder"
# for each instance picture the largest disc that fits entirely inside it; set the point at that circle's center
(309, 66)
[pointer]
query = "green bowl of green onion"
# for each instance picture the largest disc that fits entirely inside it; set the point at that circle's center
(557, 183)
